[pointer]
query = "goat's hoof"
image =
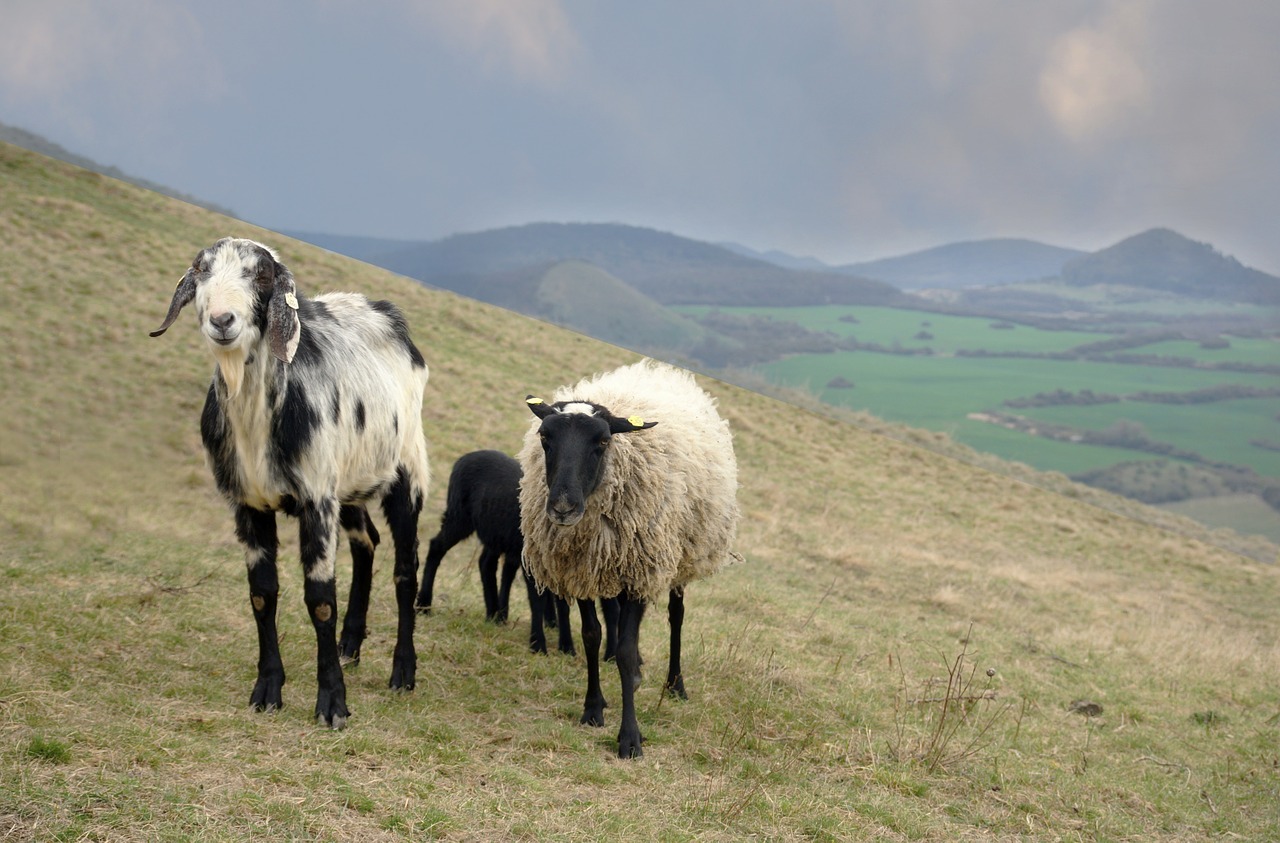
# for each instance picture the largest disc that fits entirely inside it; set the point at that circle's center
(675, 688)
(331, 709)
(423, 610)
(538, 647)
(349, 651)
(266, 694)
(403, 676)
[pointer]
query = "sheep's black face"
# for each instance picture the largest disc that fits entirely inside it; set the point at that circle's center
(576, 437)
(575, 445)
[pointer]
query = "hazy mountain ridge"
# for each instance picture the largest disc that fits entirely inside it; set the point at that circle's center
(974, 263)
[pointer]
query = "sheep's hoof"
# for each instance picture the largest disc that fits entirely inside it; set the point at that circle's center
(266, 694)
(423, 610)
(538, 646)
(629, 744)
(593, 713)
(675, 688)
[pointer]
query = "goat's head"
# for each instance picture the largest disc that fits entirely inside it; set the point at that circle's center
(576, 436)
(241, 293)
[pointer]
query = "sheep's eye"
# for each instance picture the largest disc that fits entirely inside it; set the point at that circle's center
(602, 444)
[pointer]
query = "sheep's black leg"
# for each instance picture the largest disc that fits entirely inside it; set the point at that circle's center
(609, 606)
(402, 505)
(257, 532)
(630, 613)
(675, 614)
(561, 606)
(594, 705)
(363, 538)
(454, 527)
(537, 621)
(318, 543)
(489, 582)
(510, 567)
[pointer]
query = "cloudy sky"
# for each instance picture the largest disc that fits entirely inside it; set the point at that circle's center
(845, 130)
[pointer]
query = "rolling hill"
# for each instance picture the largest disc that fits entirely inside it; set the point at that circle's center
(1166, 261)
(978, 263)
(915, 647)
(666, 268)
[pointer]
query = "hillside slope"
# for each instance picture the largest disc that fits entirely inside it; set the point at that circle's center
(897, 658)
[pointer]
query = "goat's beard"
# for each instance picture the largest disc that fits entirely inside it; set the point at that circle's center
(231, 365)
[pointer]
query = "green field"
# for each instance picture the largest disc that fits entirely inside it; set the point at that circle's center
(940, 391)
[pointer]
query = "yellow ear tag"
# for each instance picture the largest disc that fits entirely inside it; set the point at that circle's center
(291, 300)
(533, 401)
(636, 421)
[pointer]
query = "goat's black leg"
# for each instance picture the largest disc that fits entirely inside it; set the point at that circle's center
(454, 527)
(318, 543)
(257, 532)
(489, 582)
(594, 705)
(402, 505)
(537, 619)
(630, 613)
(363, 537)
(675, 615)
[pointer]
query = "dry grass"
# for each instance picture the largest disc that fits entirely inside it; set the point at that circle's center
(877, 572)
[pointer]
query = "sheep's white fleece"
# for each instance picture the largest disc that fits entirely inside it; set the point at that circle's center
(665, 512)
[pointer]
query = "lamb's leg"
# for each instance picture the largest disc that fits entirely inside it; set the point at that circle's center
(362, 537)
(609, 606)
(489, 582)
(257, 532)
(565, 632)
(630, 613)
(675, 614)
(318, 543)
(510, 567)
(402, 505)
(454, 527)
(594, 705)
(537, 634)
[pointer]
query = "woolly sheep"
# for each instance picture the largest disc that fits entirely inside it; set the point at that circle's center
(629, 491)
(314, 410)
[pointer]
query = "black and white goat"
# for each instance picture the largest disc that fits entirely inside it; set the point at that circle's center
(315, 409)
(484, 499)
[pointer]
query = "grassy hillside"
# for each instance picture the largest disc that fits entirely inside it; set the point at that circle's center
(914, 649)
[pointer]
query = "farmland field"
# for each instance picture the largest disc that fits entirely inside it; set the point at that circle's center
(940, 391)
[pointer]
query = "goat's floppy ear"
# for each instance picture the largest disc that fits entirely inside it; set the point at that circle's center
(283, 327)
(182, 296)
(540, 408)
(629, 424)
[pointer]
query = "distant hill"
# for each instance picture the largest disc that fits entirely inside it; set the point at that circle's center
(667, 268)
(976, 263)
(1164, 260)
(367, 249)
(778, 258)
(44, 146)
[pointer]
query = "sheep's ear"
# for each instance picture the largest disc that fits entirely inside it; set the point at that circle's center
(539, 408)
(182, 296)
(283, 327)
(629, 424)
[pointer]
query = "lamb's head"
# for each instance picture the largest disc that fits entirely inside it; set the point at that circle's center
(576, 436)
(242, 293)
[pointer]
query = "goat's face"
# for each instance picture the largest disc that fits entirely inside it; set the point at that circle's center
(576, 437)
(241, 293)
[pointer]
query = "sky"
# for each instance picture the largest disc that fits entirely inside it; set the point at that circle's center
(846, 130)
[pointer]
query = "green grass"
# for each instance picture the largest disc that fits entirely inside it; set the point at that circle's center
(815, 668)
